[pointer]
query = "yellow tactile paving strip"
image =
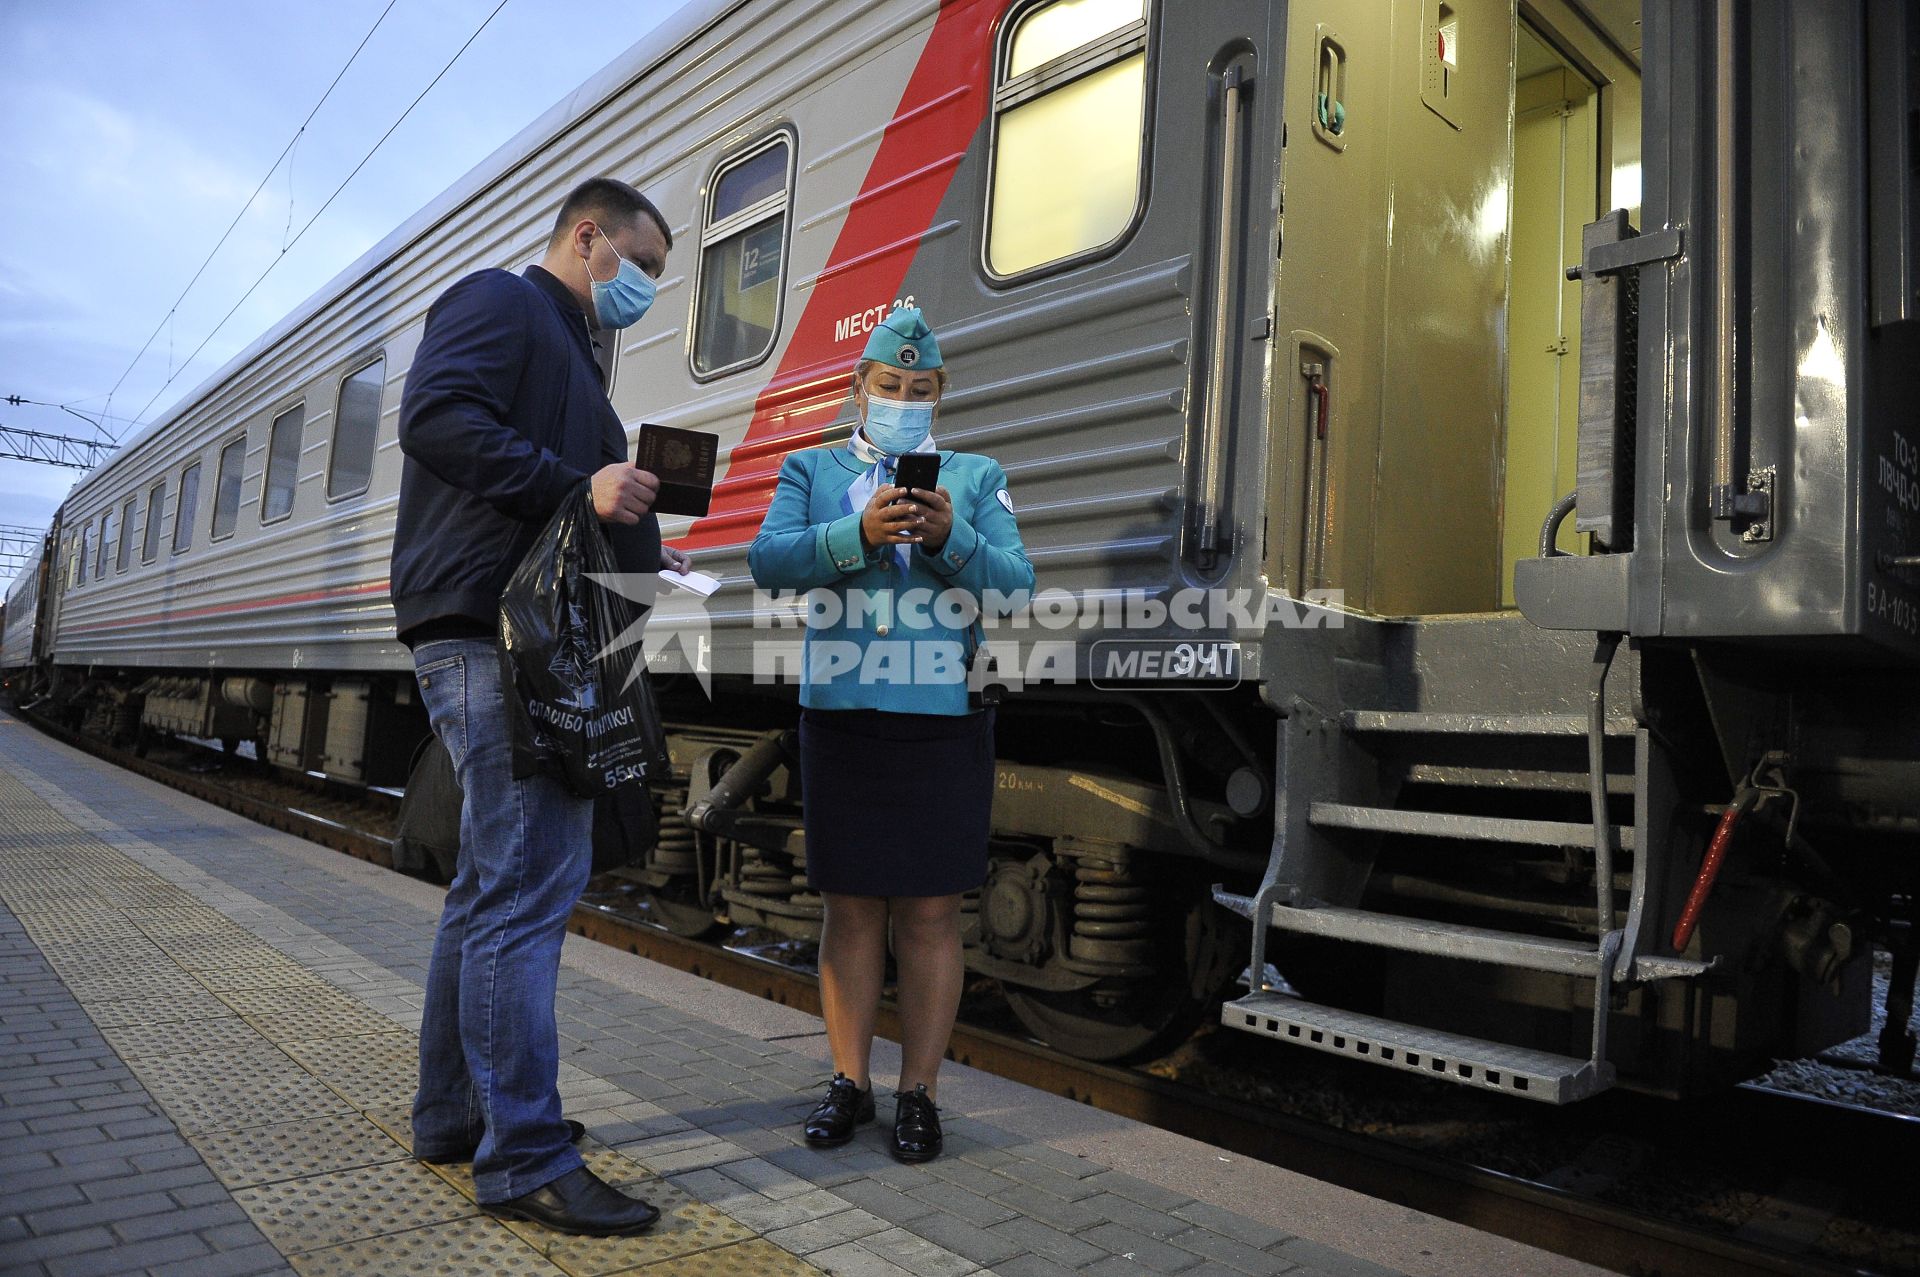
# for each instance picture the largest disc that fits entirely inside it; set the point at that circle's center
(295, 1093)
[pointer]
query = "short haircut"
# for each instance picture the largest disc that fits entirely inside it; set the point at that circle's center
(606, 200)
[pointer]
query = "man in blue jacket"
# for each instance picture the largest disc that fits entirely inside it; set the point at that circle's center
(505, 416)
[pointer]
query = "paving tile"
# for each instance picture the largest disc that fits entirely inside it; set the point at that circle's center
(917, 1255)
(455, 1249)
(819, 1233)
(959, 1202)
(289, 1150)
(367, 1070)
(1131, 1214)
(968, 1240)
(1138, 1190)
(1326, 1260)
(888, 1203)
(185, 966)
(1055, 1212)
(1046, 1178)
(341, 1206)
(1030, 1266)
(1037, 1238)
(1138, 1248)
(850, 1259)
(1225, 1222)
(752, 1258)
(1225, 1250)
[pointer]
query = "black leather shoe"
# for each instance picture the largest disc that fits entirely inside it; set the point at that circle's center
(916, 1126)
(833, 1119)
(578, 1202)
(574, 1132)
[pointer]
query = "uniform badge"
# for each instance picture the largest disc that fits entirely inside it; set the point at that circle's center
(909, 356)
(1005, 499)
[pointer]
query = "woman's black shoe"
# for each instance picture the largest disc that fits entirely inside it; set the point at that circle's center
(833, 1119)
(916, 1126)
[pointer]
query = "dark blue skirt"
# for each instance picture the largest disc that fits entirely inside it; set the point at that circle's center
(896, 804)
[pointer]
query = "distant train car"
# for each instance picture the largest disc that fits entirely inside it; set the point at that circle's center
(20, 619)
(1267, 312)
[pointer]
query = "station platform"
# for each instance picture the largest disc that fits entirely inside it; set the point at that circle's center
(207, 1053)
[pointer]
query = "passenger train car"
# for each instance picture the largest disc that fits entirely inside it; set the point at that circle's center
(1292, 325)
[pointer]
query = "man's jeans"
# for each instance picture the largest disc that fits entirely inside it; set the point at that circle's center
(489, 1049)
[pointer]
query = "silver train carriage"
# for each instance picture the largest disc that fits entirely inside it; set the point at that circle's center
(1313, 312)
(19, 617)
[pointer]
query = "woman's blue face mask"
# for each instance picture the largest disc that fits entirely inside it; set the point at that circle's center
(897, 425)
(622, 300)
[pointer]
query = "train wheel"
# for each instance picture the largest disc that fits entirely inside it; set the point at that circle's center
(1139, 1019)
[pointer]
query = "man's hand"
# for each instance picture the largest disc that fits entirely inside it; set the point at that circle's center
(884, 523)
(673, 560)
(938, 520)
(623, 492)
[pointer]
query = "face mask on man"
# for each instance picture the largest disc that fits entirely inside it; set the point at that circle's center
(897, 425)
(622, 300)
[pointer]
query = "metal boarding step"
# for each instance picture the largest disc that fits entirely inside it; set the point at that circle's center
(1423, 723)
(1479, 751)
(1497, 754)
(1441, 939)
(1438, 824)
(1537, 1075)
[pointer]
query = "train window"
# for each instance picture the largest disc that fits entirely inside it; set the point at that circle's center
(1069, 115)
(123, 558)
(742, 259)
(283, 463)
(356, 424)
(106, 544)
(226, 488)
(80, 560)
(150, 543)
(73, 564)
(184, 511)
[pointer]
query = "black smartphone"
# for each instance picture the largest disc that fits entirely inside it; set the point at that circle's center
(918, 470)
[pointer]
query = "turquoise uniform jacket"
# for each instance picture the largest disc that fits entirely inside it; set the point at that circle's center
(891, 643)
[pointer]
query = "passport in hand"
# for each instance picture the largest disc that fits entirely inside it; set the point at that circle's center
(683, 462)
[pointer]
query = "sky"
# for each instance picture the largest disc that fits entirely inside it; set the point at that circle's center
(132, 132)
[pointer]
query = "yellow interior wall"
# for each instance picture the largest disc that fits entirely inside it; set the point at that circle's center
(1555, 176)
(1397, 258)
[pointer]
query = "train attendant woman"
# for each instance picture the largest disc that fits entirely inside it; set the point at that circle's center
(896, 768)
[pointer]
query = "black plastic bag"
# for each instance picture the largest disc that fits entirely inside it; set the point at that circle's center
(574, 712)
(625, 827)
(426, 842)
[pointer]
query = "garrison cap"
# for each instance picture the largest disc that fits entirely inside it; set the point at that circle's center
(903, 340)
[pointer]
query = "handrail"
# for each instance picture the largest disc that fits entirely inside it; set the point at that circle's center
(1233, 83)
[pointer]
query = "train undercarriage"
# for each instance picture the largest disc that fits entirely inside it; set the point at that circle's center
(1419, 837)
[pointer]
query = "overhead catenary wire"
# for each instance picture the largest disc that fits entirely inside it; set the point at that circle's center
(305, 226)
(167, 318)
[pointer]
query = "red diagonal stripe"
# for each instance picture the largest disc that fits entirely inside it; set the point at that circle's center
(932, 128)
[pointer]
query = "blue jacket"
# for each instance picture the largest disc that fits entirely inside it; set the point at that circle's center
(504, 414)
(888, 648)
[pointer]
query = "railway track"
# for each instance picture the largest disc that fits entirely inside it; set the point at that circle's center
(1745, 1122)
